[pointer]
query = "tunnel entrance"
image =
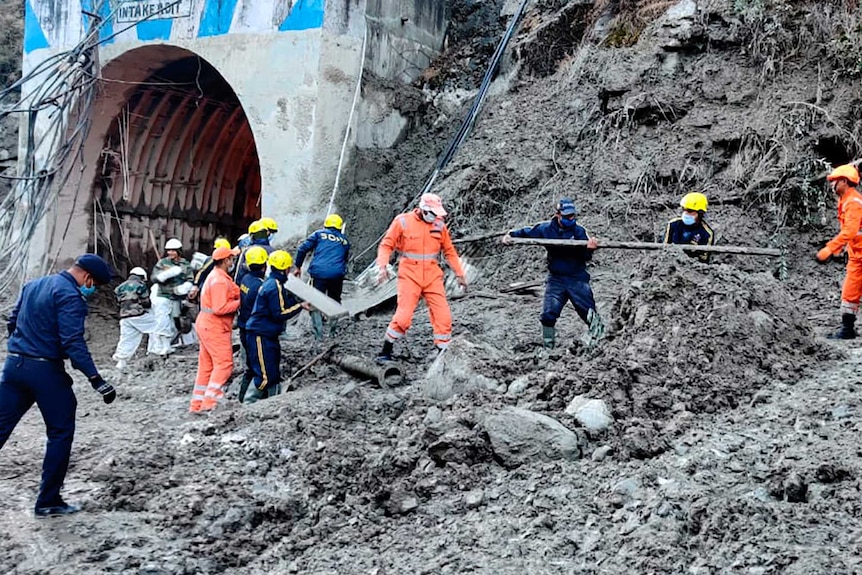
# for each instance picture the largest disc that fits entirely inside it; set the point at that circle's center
(178, 160)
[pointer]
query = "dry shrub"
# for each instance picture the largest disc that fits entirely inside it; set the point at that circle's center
(778, 31)
(631, 17)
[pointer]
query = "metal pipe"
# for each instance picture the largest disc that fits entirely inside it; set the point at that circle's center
(384, 376)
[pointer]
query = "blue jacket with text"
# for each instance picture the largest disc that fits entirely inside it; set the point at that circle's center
(331, 251)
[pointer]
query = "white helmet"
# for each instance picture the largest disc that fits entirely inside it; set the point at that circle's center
(139, 272)
(174, 244)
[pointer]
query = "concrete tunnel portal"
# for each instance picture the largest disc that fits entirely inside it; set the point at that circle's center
(177, 159)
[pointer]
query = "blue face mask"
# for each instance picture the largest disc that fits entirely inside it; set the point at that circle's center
(689, 219)
(87, 291)
(567, 223)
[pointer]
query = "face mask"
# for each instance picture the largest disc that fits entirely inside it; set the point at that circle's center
(429, 217)
(567, 223)
(688, 219)
(87, 291)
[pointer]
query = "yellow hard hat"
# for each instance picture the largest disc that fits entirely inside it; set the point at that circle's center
(255, 255)
(256, 226)
(269, 224)
(280, 260)
(694, 201)
(221, 243)
(333, 221)
(847, 172)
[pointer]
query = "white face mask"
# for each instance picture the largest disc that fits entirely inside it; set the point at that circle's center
(429, 217)
(688, 219)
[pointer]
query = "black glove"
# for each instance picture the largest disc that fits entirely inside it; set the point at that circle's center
(103, 387)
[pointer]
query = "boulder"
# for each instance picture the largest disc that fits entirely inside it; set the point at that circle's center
(520, 436)
(593, 414)
(452, 372)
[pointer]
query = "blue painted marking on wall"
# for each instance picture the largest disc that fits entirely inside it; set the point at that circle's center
(104, 12)
(155, 29)
(306, 14)
(34, 37)
(216, 17)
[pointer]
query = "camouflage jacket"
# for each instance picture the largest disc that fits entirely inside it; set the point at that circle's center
(166, 288)
(133, 297)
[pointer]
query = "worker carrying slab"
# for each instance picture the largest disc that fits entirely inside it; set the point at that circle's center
(331, 250)
(173, 277)
(419, 236)
(46, 327)
(219, 303)
(849, 239)
(136, 315)
(691, 227)
(568, 279)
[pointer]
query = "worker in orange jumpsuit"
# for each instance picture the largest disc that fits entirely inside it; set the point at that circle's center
(219, 303)
(843, 179)
(419, 236)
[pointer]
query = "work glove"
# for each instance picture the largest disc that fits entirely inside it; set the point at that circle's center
(823, 255)
(103, 387)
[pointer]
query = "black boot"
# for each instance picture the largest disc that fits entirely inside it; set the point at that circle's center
(386, 352)
(848, 327)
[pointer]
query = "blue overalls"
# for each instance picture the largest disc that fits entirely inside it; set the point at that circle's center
(273, 307)
(46, 327)
(568, 279)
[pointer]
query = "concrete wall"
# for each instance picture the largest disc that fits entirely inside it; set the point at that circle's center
(292, 63)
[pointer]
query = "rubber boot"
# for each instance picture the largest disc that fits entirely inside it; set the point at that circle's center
(385, 353)
(317, 325)
(549, 337)
(243, 386)
(333, 327)
(848, 327)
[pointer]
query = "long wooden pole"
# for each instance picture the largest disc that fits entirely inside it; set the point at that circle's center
(743, 250)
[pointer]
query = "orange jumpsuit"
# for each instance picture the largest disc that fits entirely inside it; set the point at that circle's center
(850, 219)
(419, 273)
(219, 303)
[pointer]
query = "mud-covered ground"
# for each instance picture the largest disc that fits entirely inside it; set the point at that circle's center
(731, 422)
(746, 465)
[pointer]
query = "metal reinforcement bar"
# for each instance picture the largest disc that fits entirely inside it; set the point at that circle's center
(742, 250)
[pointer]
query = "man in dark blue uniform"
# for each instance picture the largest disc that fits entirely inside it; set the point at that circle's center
(273, 307)
(327, 270)
(46, 327)
(568, 279)
(255, 258)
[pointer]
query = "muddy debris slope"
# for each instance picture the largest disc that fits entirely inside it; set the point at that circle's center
(713, 430)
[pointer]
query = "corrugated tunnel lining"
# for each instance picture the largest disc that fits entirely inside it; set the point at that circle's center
(178, 161)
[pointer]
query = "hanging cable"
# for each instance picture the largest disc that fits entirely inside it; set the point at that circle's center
(470, 119)
(356, 93)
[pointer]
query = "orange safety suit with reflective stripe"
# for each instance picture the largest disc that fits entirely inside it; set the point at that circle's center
(219, 302)
(850, 237)
(419, 273)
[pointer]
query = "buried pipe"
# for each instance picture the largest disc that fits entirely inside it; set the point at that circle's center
(384, 376)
